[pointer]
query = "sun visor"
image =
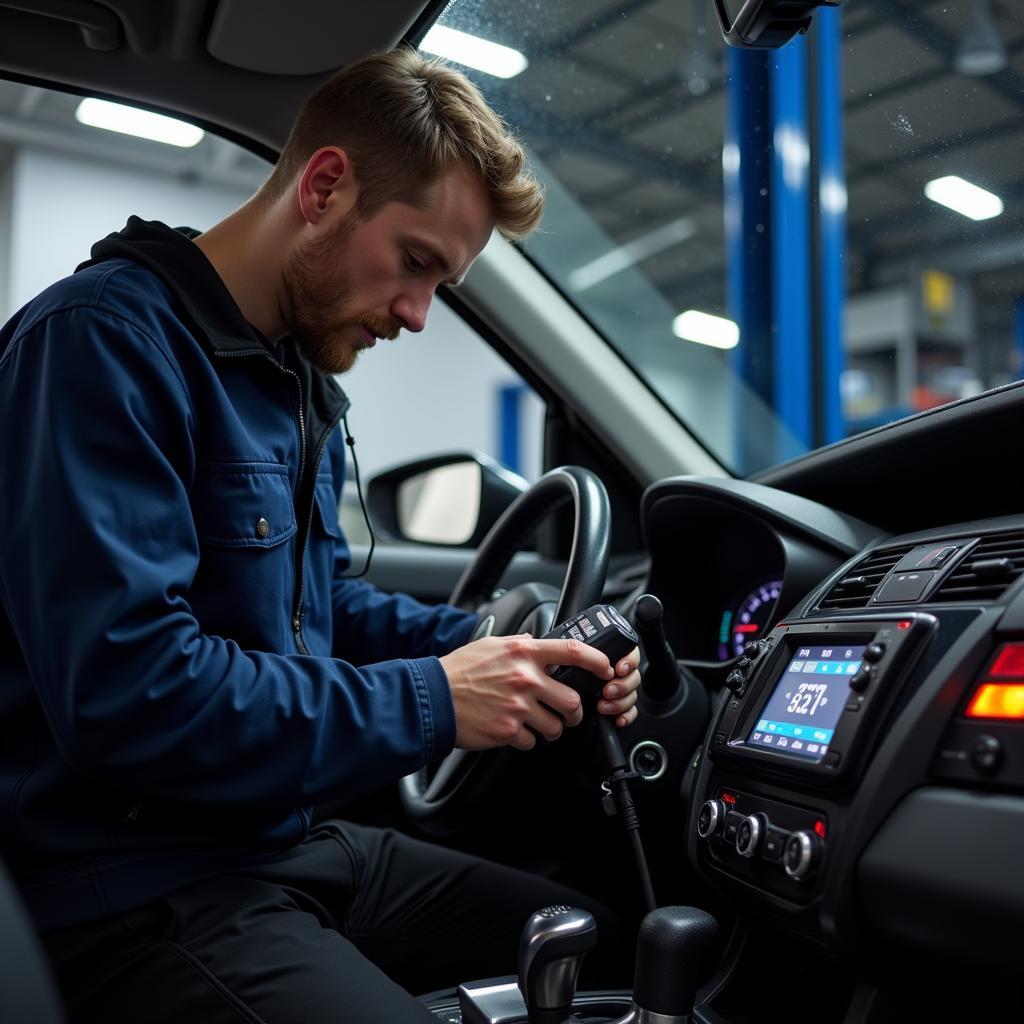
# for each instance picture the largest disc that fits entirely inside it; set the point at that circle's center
(305, 37)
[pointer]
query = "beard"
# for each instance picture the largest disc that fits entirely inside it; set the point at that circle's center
(318, 288)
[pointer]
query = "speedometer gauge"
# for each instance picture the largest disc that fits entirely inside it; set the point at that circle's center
(748, 620)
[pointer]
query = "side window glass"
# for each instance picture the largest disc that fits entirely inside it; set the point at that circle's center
(66, 184)
(444, 390)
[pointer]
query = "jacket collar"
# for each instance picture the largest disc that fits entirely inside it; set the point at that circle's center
(213, 315)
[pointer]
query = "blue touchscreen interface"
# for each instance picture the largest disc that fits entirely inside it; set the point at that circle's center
(801, 715)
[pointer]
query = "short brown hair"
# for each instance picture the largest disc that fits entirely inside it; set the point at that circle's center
(405, 120)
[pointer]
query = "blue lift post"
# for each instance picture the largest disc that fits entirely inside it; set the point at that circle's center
(792, 299)
(510, 398)
(786, 274)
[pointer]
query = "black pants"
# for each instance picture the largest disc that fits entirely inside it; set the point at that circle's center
(339, 929)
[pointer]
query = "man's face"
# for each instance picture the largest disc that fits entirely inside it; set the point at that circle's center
(358, 280)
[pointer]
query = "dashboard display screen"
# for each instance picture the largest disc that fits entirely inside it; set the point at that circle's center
(800, 716)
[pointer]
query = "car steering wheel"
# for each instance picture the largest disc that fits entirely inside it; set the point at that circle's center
(438, 797)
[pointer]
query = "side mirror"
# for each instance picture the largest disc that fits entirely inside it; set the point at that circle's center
(449, 499)
(765, 24)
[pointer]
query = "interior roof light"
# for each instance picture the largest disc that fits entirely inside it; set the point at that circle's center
(117, 117)
(964, 197)
(474, 52)
(998, 700)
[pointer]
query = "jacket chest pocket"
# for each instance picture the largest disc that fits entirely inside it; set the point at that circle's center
(248, 505)
(244, 584)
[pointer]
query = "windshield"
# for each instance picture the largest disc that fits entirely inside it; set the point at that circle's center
(788, 247)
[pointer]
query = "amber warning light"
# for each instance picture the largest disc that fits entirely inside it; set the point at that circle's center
(995, 698)
(998, 700)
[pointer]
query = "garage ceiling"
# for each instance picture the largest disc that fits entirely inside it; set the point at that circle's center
(610, 103)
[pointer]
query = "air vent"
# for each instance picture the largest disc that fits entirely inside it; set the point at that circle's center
(992, 565)
(855, 589)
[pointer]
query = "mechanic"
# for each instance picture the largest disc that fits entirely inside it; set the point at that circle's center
(186, 667)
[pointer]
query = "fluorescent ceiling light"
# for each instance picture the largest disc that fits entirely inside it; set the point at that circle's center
(116, 117)
(474, 52)
(981, 50)
(965, 198)
(636, 251)
(705, 329)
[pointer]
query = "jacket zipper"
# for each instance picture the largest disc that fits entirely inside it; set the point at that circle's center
(297, 620)
(300, 554)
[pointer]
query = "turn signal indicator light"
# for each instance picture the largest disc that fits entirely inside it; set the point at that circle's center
(995, 698)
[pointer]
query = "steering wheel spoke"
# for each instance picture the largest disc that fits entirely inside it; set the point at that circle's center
(451, 771)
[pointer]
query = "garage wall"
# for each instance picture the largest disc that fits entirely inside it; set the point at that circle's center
(61, 206)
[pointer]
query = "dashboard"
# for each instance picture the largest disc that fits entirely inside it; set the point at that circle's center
(858, 797)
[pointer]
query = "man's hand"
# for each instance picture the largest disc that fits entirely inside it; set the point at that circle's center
(618, 697)
(503, 695)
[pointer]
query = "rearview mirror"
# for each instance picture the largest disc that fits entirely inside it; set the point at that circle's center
(765, 24)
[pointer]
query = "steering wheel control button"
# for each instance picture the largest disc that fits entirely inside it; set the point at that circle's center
(262, 528)
(649, 760)
(987, 755)
(710, 818)
(874, 653)
(861, 679)
(800, 855)
(749, 835)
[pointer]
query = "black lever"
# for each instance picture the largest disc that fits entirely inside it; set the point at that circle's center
(674, 956)
(661, 680)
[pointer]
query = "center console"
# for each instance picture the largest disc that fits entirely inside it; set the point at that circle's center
(804, 705)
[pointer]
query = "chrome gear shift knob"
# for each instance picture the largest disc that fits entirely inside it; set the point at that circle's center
(551, 950)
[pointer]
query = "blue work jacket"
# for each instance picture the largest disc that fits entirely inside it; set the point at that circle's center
(184, 668)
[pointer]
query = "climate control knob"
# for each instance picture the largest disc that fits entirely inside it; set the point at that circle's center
(801, 854)
(711, 818)
(749, 835)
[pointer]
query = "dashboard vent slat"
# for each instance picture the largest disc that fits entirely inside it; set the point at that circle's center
(994, 564)
(856, 588)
